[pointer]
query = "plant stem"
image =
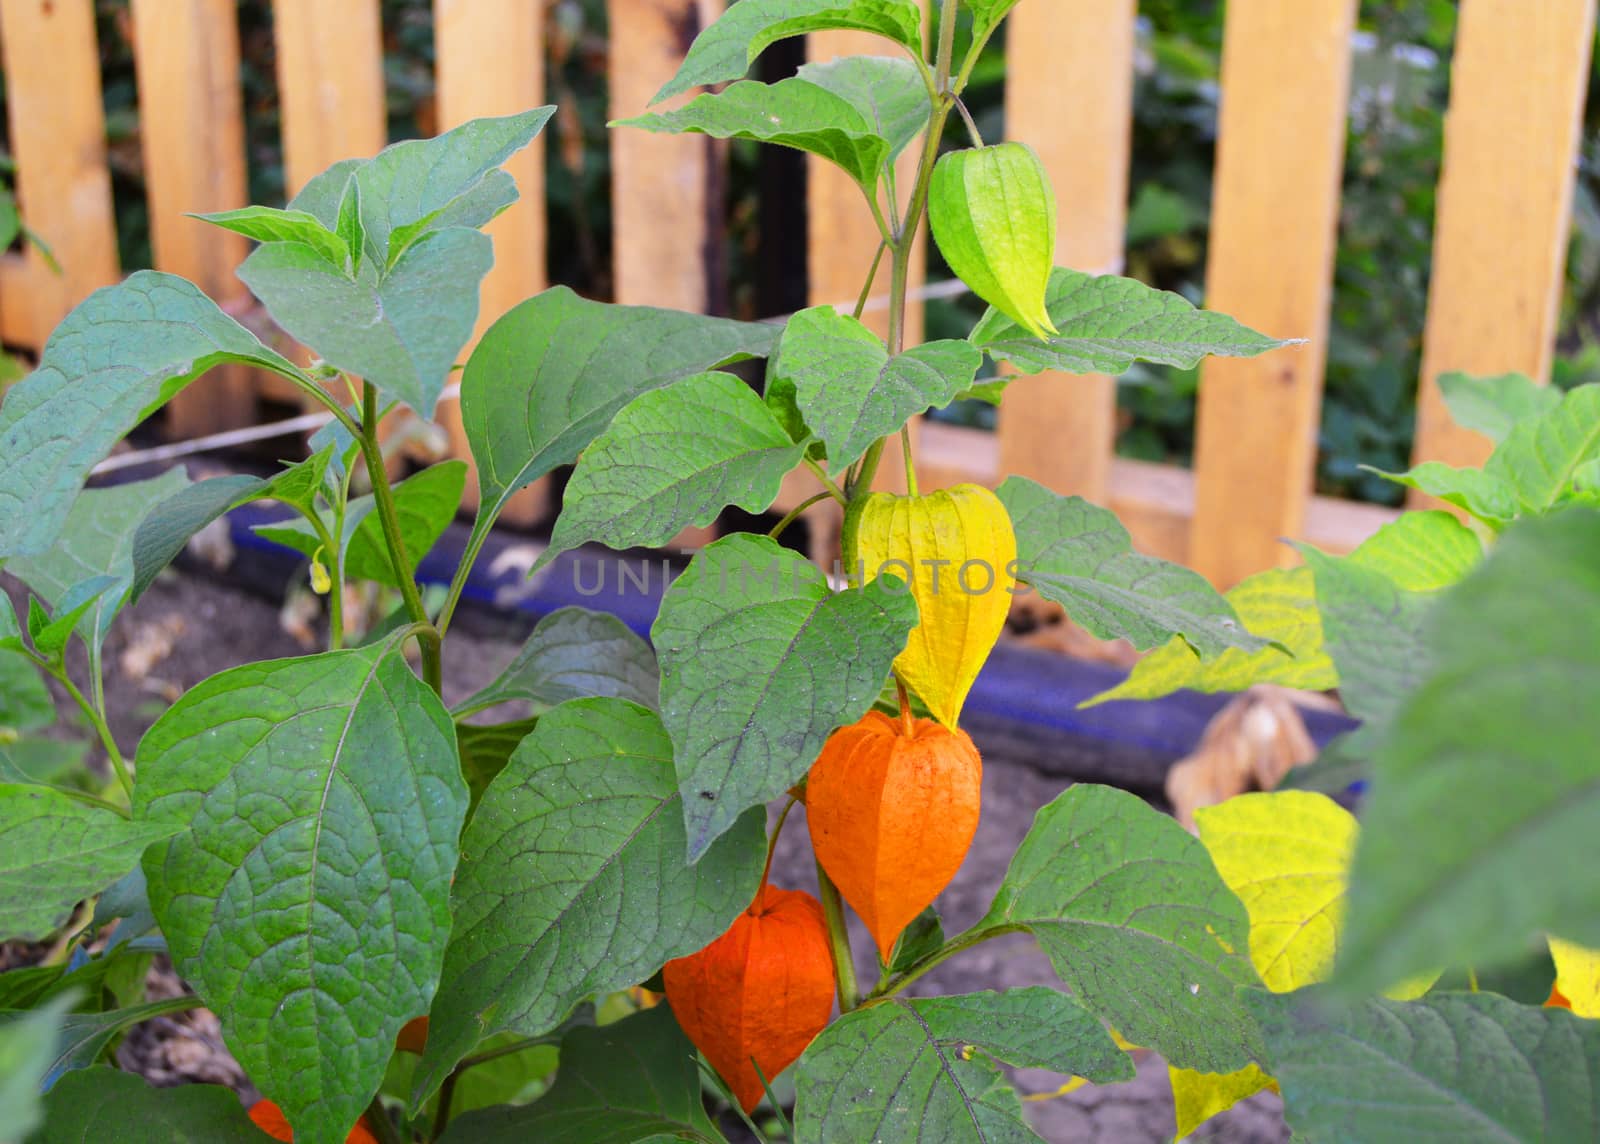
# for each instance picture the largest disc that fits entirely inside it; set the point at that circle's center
(872, 276)
(795, 513)
(911, 466)
(907, 723)
(380, 1125)
(844, 963)
(958, 944)
(772, 843)
(828, 486)
(513, 1048)
(383, 495)
(947, 46)
(972, 127)
(102, 728)
(447, 1092)
(469, 556)
(335, 575)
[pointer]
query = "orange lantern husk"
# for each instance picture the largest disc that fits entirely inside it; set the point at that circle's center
(761, 992)
(892, 816)
(268, 1117)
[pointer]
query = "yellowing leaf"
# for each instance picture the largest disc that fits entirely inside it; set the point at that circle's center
(956, 550)
(1577, 976)
(1279, 605)
(1285, 855)
(993, 214)
(1198, 1096)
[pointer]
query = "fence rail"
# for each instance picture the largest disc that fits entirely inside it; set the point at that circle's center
(1519, 77)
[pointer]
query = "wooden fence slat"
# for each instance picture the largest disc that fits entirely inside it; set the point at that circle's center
(191, 127)
(1518, 83)
(842, 237)
(330, 83)
(1281, 144)
(490, 57)
(662, 196)
(58, 138)
(1060, 429)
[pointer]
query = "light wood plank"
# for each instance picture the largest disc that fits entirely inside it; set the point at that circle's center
(665, 199)
(1281, 142)
(1060, 429)
(330, 83)
(491, 62)
(1517, 89)
(1155, 502)
(58, 138)
(192, 131)
(661, 184)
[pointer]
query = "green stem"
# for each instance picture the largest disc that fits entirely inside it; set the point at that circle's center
(794, 514)
(469, 556)
(844, 963)
(911, 468)
(947, 46)
(380, 1125)
(872, 276)
(828, 487)
(447, 1092)
(335, 575)
(972, 126)
(389, 517)
(958, 944)
(101, 727)
(88, 799)
(513, 1048)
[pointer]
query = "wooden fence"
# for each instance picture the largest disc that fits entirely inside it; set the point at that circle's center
(1519, 78)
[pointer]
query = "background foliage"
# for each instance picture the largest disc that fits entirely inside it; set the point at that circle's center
(1399, 90)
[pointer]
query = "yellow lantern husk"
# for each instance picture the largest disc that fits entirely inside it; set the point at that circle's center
(956, 550)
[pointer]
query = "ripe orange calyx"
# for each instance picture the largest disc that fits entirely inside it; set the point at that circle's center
(268, 1117)
(762, 990)
(892, 816)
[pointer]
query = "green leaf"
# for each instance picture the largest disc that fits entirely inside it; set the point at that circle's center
(1463, 1066)
(36, 759)
(993, 213)
(925, 935)
(574, 654)
(1137, 923)
(10, 630)
(425, 504)
(1279, 604)
(1532, 471)
(548, 377)
(1500, 736)
(325, 193)
(672, 458)
(401, 331)
(25, 702)
(349, 227)
(1542, 455)
(1105, 324)
(791, 113)
(109, 1104)
(726, 49)
(486, 749)
(448, 181)
(1492, 405)
(1483, 494)
(114, 360)
(26, 1046)
(760, 662)
(906, 1070)
(51, 633)
(97, 541)
(987, 14)
(269, 224)
(573, 882)
(85, 1036)
(170, 525)
(301, 483)
(852, 392)
(887, 91)
(307, 899)
(632, 1081)
(1374, 601)
(56, 851)
(1079, 555)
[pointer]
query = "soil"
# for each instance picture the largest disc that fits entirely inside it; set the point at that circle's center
(188, 627)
